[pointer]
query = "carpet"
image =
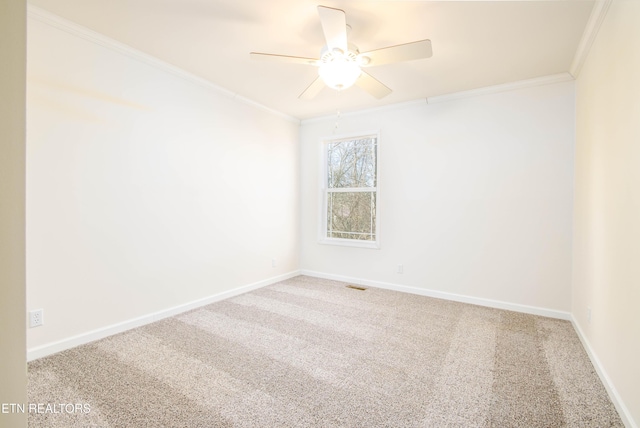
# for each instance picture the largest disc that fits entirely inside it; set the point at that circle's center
(310, 352)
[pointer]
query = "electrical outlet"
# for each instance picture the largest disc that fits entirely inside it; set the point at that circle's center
(36, 318)
(589, 314)
(400, 269)
(273, 263)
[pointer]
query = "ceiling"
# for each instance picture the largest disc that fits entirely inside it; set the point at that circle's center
(475, 43)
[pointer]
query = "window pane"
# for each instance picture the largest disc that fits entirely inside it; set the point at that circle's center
(352, 163)
(351, 215)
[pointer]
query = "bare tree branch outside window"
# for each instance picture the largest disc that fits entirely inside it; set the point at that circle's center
(352, 188)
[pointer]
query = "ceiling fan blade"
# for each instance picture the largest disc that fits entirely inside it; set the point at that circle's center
(312, 90)
(283, 58)
(372, 85)
(334, 26)
(406, 52)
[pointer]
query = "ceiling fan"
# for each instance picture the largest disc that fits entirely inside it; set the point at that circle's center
(340, 63)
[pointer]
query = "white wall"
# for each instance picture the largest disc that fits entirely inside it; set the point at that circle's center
(13, 367)
(607, 201)
(475, 197)
(145, 190)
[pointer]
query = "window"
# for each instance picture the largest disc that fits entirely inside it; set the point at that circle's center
(350, 192)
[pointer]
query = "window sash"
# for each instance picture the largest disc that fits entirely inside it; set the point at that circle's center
(366, 227)
(370, 142)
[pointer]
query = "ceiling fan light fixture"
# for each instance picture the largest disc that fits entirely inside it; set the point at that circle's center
(339, 70)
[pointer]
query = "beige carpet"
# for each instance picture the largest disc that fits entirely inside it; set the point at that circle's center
(308, 352)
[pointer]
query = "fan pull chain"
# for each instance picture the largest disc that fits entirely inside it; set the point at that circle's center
(337, 121)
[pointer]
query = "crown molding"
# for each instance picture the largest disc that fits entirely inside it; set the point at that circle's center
(70, 27)
(598, 13)
(521, 84)
(595, 20)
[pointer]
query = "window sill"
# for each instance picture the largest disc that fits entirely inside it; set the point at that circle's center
(350, 243)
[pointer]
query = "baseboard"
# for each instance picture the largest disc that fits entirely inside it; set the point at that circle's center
(71, 342)
(623, 411)
(551, 313)
(90, 336)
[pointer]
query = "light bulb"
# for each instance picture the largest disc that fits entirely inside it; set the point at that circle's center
(339, 72)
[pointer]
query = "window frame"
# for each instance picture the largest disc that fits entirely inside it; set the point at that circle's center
(323, 237)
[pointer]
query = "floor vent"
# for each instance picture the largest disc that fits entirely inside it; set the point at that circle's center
(355, 287)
